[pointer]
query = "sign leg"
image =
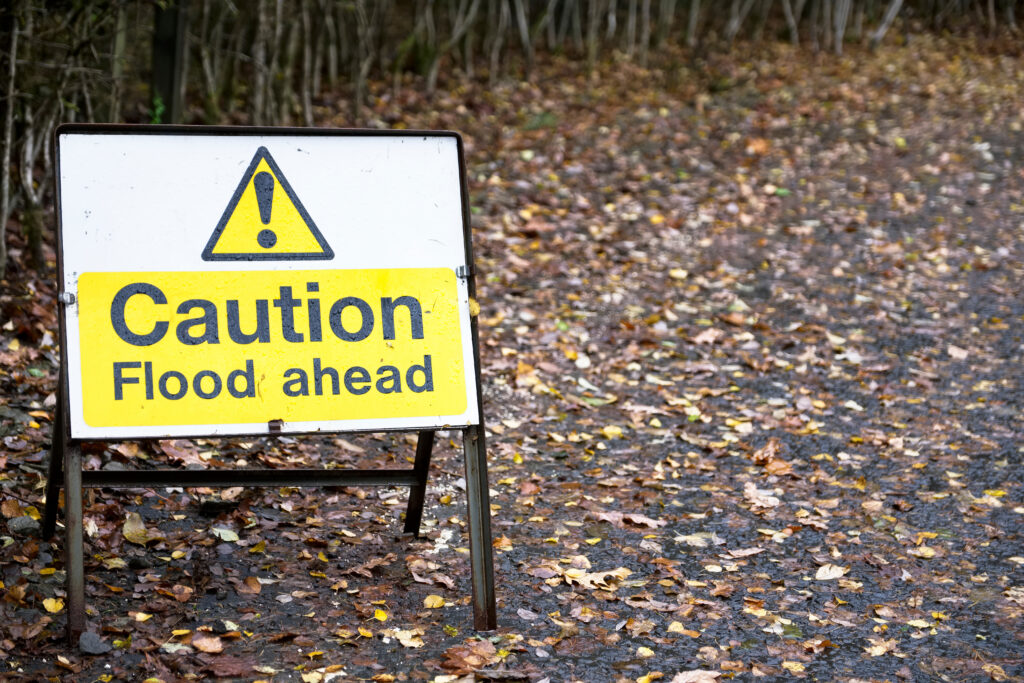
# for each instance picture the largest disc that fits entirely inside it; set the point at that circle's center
(74, 563)
(479, 510)
(56, 473)
(418, 492)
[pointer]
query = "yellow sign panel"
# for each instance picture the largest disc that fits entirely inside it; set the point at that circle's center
(256, 346)
(265, 221)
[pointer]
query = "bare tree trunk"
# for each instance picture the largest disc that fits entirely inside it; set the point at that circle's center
(306, 86)
(890, 16)
(691, 24)
(593, 27)
(645, 30)
(813, 21)
(499, 41)
(460, 28)
(331, 40)
(826, 22)
(666, 17)
(762, 19)
(8, 140)
(631, 29)
(736, 17)
(794, 31)
(117, 62)
(523, 23)
(259, 65)
(1011, 18)
(839, 21)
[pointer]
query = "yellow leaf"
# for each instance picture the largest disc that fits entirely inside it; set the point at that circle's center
(380, 615)
(141, 616)
(676, 627)
(433, 602)
(259, 547)
(135, 531)
(795, 667)
(178, 632)
(593, 541)
(53, 605)
(226, 535)
(919, 623)
(924, 552)
(474, 307)
(678, 274)
(612, 432)
(365, 632)
(644, 652)
(995, 493)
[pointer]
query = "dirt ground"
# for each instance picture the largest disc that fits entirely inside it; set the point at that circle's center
(751, 344)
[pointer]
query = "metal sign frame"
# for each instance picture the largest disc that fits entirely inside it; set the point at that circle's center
(65, 466)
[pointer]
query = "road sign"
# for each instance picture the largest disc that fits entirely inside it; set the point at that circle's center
(202, 298)
(238, 283)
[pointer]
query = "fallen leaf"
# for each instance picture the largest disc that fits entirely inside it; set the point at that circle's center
(957, 353)
(249, 586)
(828, 572)
(208, 644)
(433, 602)
(407, 637)
(53, 605)
(135, 531)
(880, 646)
(759, 498)
(696, 676)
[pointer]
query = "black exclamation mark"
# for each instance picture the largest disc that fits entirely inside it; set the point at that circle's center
(264, 185)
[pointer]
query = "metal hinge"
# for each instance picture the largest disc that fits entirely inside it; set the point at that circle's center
(66, 298)
(464, 272)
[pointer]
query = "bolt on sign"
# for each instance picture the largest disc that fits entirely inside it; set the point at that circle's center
(221, 281)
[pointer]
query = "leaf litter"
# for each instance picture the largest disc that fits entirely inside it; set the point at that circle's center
(750, 364)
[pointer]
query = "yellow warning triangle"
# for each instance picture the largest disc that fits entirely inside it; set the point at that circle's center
(265, 221)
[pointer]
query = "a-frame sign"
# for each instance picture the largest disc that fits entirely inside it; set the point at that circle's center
(206, 293)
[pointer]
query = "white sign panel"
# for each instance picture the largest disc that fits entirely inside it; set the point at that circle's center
(254, 281)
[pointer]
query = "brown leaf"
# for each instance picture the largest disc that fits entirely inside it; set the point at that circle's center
(475, 654)
(365, 568)
(618, 519)
(227, 666)
(250, 586)
(768, 452)
(11, 508)
(181, 593)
